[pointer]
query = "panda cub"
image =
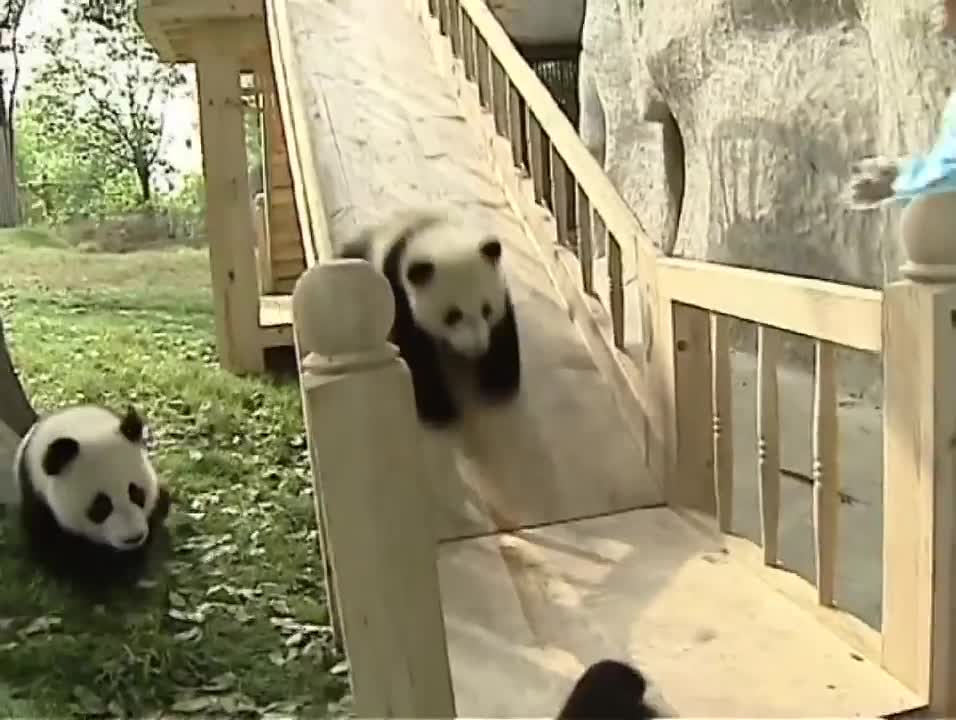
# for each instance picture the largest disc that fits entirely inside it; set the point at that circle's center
(450, 295)
(608, 690)
(90, 501)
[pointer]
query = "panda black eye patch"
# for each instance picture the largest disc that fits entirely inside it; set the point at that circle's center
(453, 316)
(486, 311)
(137, 495)
(100, 509)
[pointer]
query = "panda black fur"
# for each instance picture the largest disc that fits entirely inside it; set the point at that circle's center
(450, 293)
(608, 690)
(91, 503)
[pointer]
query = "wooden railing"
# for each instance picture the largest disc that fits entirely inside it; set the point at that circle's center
(680, 372)
(658, 328)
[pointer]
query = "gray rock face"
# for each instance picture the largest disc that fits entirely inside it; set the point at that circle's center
(729, 126)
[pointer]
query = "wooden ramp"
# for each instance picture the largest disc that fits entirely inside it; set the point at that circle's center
(525, 613)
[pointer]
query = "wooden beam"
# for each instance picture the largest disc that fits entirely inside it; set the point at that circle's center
(229, 222)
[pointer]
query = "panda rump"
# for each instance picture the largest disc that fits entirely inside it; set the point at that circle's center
(91, 503)
(450, 294)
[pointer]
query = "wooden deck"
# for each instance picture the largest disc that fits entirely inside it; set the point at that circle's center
(530, 610)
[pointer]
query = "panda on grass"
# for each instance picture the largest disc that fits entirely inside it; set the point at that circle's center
(451, 296)
(91, 504)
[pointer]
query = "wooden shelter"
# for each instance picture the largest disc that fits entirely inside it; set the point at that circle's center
(226, 39)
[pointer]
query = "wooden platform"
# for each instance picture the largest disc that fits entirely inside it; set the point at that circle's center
(529, 611)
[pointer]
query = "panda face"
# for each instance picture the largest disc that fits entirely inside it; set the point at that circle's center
(98, 481)
(459, 297)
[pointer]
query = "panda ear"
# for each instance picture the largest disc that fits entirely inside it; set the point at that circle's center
(60, 453)
(490, 249)
(420, 272)
(131, 426)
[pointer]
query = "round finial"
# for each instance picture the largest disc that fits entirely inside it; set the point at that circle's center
(928, 238)
(342, 307)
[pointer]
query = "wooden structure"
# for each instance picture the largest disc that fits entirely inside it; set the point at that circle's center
(227, 39)
(476, 571)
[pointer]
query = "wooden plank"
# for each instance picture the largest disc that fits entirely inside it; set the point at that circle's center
(826, 472)
(841, 314)
(526, 612)
(228, 219)
(768, 442)
(722, 412)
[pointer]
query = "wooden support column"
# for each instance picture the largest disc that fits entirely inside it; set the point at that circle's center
(229, 221)
(919, 458)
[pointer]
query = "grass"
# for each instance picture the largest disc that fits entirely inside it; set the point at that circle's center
(236, 622)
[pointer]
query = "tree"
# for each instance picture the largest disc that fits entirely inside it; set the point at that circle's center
(11, 15)
(104, 76)
(60, 181)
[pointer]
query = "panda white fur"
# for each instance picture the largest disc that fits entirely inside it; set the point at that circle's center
(450, 294)
(608, 690)
(90, 501)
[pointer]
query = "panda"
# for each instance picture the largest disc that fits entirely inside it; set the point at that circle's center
(91, 504)
(451, 296)
(608, 690)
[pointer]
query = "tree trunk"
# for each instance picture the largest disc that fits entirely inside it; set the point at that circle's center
(9, 207)
(15, 409)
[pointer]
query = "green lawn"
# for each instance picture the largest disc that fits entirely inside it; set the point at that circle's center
(238, 621)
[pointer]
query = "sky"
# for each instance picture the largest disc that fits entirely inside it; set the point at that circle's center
(182, 114)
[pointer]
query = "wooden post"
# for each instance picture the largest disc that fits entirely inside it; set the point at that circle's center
(367, 446)
(690, 485)
(229, 222)
(919, 441)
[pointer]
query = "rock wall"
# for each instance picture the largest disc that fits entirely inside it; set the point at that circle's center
(729, 126)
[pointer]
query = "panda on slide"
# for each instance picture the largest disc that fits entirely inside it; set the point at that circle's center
(90, 501)
(450, 295)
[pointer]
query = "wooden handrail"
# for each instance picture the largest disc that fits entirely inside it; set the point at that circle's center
(620, 221)
(841, 314)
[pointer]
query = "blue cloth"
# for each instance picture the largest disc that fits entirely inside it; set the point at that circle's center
(935, 172)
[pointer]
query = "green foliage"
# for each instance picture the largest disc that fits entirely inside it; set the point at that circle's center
(60, 178)
(186, 207)
(104, 90)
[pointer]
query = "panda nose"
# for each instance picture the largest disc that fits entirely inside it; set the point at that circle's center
(134, 540)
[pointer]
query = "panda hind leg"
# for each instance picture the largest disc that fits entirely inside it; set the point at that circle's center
(499, 370)
(434, 401)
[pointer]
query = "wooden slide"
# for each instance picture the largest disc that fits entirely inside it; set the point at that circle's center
(556, 547)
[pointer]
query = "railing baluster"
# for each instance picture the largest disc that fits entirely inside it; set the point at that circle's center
(560, 179)
(826, 473)
(468, 45)
(499, 96)
(515, 113)
(454, 9)
(536, 156)
(483, 62)
(615, 271)
(585, 253)
(768, 442)
(721, 388)
(443, 19)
